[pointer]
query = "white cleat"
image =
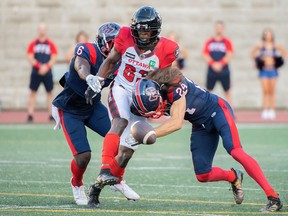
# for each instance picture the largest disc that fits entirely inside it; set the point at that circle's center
(79, 194)
(123, 188)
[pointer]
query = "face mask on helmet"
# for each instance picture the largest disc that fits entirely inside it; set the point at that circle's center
(147, 100)
(106, 35)
(146, 19)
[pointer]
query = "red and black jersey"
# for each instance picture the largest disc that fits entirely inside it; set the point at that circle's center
(217, 49)
(42, 51)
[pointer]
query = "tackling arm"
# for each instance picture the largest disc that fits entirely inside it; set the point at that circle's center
(108, 65)
(177, 112)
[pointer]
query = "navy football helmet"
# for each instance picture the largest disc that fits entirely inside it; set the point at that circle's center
(147, 100)
(145, 19)
(106, 35)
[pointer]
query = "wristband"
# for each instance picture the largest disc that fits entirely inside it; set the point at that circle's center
(48, 66)
(223, 62)
(211, 62)
(36, 65)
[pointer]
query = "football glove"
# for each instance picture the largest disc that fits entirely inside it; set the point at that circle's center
(94, 82)
(89, 95)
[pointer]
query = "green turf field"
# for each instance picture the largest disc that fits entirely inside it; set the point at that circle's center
(35, 174)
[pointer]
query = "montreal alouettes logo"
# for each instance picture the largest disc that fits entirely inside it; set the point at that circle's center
(108, 29)
(152, 93)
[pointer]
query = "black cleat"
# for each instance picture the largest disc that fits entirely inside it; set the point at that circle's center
(237, 187)
(106, 178)
(273, 205)
(94, 192)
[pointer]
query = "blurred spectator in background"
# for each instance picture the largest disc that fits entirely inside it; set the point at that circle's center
(183, 53)
(268, 57)
(41, 54)
(81, 37)
(217, 53)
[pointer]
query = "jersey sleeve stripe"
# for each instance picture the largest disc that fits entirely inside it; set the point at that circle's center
(92, 52)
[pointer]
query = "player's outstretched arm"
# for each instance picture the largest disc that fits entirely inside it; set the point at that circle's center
(82, 67)
(108, 65)
(177, 112)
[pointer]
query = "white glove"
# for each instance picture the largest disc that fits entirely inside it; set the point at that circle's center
(94, 82)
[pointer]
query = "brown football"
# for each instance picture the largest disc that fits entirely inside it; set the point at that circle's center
(143, 132)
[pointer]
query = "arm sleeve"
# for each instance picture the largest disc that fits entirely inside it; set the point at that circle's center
(86, 51)
(30, 49)
(119, 41)
(172, 53)
(228, 45)
(53, 48)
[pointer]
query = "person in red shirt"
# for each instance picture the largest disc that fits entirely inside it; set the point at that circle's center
(217, 53)
(41, 54)
(140, 50)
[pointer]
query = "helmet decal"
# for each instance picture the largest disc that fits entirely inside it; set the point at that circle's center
(147, 100)
(106, 35)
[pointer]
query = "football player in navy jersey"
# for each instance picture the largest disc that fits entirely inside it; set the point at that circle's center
(79, 105)
(212, 117)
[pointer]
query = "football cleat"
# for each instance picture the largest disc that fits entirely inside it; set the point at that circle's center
(106, 178)
(79, 195)
(128, 192)
(274, 204)
(237, 187)
(94, 192)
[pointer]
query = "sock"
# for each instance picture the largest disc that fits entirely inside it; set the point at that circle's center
(254, 170)
(110, 149)
(77, 174)
(116, 170)
(216, 174)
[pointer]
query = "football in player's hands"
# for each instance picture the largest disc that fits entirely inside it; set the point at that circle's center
(143, 132)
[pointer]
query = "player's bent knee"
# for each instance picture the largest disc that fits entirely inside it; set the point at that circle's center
(203, 177)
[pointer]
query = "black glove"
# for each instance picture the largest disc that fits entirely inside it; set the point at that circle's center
(89, 95)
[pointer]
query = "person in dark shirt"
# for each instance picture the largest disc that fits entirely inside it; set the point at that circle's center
(41, 54)
(78, 105)
(217, 53)
(211, 118)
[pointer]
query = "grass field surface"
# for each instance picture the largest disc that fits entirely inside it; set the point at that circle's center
(35, 174)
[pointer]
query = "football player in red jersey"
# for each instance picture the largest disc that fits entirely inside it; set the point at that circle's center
(140, 50)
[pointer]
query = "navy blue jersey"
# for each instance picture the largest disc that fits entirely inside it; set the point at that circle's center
(217, 50)
(199, 102)
(72, 98)
(42, 51)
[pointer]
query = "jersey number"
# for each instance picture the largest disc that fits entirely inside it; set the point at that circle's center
(129, 72)
(80, 50)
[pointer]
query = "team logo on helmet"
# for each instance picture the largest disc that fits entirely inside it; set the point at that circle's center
(152, 93)
(108, 29)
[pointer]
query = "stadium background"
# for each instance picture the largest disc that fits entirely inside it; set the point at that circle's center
(192, 20)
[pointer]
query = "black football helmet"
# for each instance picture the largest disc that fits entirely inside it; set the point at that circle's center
(147, 100)
(146, 19)
(106, 35)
